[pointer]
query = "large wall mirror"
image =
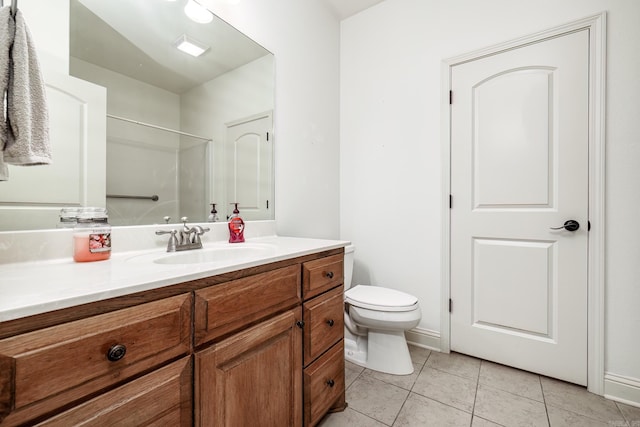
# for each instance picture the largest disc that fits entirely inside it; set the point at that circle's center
(155, 132)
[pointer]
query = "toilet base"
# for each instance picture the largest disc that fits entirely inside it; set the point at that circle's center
(383, 351)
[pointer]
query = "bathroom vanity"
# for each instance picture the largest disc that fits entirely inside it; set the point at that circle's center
(258, 342)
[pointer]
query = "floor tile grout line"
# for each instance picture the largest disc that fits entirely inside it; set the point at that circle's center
(514, 394)
(387, 385)
(581, 414)
(449, 372)
(624, 417)
(401, 407)
(475, 396)
(544, 401)
(440, 402)
(372, 418)
(446, 372)
(410, 391)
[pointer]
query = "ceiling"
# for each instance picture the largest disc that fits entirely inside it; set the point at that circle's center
(346, 8)
(135, 39)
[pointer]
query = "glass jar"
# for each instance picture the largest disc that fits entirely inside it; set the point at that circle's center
(92, 235)
(68, 217)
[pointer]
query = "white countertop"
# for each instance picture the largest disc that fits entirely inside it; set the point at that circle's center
(34, 287)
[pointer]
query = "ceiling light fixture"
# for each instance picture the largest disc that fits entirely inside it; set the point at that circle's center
(190, 46)
(198, 13)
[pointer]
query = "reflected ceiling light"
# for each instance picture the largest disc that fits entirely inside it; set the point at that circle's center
(198, 13)
(190, 46)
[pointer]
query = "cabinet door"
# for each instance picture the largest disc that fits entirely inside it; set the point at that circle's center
(160, 398)
(253, 378)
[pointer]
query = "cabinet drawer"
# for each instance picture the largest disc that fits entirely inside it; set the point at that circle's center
(159, 398)
(70, 361)
(323, 323)
(322, 274)
(323, 384)
(227, 307)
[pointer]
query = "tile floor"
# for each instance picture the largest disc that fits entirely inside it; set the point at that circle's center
(458, 390)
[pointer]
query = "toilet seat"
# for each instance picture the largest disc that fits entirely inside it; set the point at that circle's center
(379, 298)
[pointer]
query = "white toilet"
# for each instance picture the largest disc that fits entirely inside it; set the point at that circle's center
(375, 319)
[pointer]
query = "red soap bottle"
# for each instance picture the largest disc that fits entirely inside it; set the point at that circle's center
(236, 226)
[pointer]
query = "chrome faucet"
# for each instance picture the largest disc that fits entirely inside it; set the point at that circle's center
(190, 237)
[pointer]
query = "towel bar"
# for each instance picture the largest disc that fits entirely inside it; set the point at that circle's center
(155, 197)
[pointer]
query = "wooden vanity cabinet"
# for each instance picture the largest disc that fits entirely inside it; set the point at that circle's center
(262, 346)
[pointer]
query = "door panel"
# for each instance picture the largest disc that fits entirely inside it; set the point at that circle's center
(525, 266)
(511, 116)
(250, 161)
(519, 166)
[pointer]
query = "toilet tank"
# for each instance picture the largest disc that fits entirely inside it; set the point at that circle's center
(348, 265)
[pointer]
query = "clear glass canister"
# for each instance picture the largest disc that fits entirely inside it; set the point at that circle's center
(68, 217)
(92, 235)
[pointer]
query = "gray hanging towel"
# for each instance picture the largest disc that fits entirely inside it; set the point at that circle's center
(27, 115)
(7, 26)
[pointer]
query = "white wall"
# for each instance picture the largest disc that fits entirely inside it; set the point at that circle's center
(52, 44)
(390, 143)
(304, 37)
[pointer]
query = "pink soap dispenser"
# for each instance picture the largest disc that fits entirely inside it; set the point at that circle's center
(236, 226)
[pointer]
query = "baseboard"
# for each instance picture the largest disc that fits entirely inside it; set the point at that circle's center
(424, 338)
(622, 389)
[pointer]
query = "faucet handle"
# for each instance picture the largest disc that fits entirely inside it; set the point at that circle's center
(173, 240)
(197, 232)
(185, 228)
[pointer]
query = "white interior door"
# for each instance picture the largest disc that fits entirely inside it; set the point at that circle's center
(519, 167)
(249, 147)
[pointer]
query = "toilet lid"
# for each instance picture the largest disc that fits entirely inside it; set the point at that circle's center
(379, 298)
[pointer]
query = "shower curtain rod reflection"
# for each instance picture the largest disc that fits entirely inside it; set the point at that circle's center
(124, 119)
(155, 197)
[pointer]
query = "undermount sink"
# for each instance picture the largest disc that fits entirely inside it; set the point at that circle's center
(239, 252)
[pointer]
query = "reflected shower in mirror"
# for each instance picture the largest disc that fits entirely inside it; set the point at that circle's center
(179, 132)
(189, 102)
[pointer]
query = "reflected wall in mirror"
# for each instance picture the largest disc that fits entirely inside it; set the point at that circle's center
(189, 130)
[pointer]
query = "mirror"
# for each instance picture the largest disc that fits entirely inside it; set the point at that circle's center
(180, 132)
